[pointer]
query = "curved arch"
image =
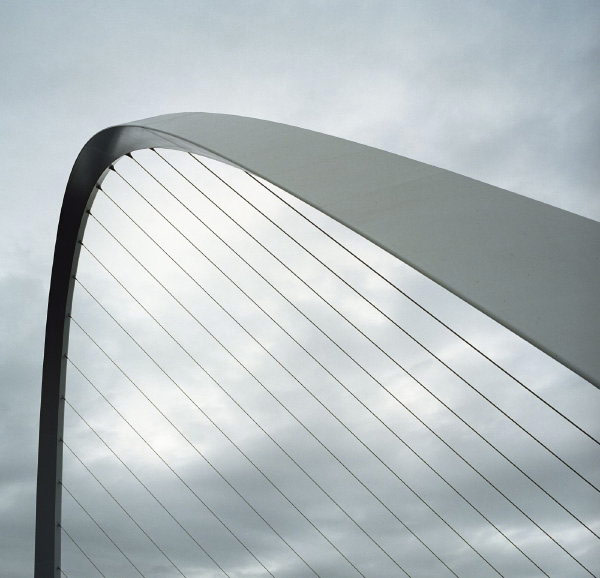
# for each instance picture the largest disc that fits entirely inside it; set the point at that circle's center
(532, 267)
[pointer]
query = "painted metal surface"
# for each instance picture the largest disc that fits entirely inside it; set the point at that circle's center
(532, 267)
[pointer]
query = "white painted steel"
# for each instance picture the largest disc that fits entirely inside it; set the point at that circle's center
(532, 267)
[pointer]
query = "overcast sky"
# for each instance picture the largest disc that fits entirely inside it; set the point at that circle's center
(505, 92)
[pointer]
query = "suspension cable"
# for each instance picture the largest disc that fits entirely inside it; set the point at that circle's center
(352, 394)
(156, 499)
(330, 373)
(324, 368)
(387, 390)
(293, 415)
(80, 549)
(65, 444)
(412, 376)
(99, 526)
(187, 439)
(425, 310)
(414, 339)
(151, 447)
(259, 426)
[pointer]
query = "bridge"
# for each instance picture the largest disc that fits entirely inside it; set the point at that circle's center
(260, 382)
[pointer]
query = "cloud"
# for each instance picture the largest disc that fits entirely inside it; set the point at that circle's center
(505, 93)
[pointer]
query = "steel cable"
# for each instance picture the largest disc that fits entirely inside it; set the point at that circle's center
(100, 527)
(187, 439)
(156, 499)
(80, 549)
(408, 409)
(425, 310)
(288, 371)
(412, 376)
(160, 457)
(122, 507)
(201, 252)
(289, 412)
(328, 372)
(252, 419)
(414, 339)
